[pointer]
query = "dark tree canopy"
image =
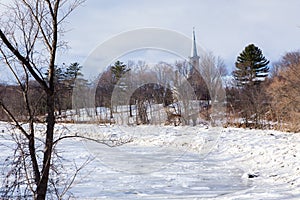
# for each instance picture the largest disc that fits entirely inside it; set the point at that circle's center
(73, 71)
(251, 66)
(119, 69)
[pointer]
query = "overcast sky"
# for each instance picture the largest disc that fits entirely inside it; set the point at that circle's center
(223, 27)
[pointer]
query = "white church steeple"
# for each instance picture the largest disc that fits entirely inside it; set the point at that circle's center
(194, 59)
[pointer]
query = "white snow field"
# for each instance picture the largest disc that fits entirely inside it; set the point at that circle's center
(164, 162)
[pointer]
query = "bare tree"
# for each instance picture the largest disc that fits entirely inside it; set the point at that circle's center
(29, 39)
(211, 69)
(285, 91)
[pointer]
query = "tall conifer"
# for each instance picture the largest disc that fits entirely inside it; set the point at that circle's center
(251, 67)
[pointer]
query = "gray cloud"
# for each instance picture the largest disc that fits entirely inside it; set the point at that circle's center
(224, 27)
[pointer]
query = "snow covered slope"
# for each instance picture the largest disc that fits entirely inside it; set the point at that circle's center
(164, 162)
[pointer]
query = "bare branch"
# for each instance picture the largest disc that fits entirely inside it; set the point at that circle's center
(78, 169)
(70, 9)
(39, 22)
(10, 67)
(11, 116)
(23, 60)
(115, 142)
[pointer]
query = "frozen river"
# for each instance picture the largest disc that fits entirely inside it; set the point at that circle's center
(144, 169)
(135, 172)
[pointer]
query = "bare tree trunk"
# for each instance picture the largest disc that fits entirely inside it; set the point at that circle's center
(42, 185)
(32, 152)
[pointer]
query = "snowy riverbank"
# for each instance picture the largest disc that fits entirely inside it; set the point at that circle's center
(172, 163)
(267, 161)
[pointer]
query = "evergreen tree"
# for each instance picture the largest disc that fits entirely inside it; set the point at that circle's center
(251, 70)
(58, 75)
(118, 70)
(251, 67)
(64, 78)
(72, 72)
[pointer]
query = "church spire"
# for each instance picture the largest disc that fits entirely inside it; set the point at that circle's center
(194, 59)
(194, 46)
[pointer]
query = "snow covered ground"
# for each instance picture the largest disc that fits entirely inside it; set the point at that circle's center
(164, 162)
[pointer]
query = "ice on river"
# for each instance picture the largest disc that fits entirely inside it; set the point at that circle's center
(179, 163)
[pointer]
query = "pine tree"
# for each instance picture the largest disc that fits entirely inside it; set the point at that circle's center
(251, 67)
(72, 72)
(118, 70)
(64, 78)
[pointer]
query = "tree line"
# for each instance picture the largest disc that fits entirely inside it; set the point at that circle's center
(12, 97)
(258, 96)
